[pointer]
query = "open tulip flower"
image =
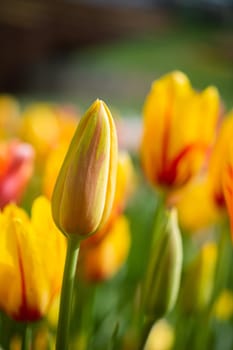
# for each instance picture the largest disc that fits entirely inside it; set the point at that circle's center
(31, 261)
(16, 169)
(207, 188)
(179, 130)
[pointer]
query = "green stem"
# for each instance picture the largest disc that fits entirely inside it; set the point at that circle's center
(27, 339)
(146, 326)
(159, 216)
(158, 225)
(113, 341)
(223, 263)
(62, 342)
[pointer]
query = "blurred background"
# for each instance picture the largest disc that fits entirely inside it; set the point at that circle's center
(75, 51)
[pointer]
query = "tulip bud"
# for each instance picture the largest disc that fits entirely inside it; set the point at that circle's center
(199, 279)
(161, 336)
(164, 272)
(223, 307)
(85, 187)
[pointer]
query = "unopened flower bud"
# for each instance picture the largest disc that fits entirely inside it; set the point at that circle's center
(85, 187)
(199, 279)
(164, 270)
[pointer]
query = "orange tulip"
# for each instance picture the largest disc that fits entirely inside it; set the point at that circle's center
(179, 130)
(31, 262)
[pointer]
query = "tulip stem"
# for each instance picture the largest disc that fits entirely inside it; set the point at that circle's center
(27, 338)
(66, 294)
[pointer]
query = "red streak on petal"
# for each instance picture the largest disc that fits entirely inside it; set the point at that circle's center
(168, 175)
(25, 313)
(219, 199)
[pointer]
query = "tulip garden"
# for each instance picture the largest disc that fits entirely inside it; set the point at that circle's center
(117, 232)
(105, 246)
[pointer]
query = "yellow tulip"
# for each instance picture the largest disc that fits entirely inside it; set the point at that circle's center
(208, 187)
(85, 187)
(102, 260)
(31, 262)
(179, 129)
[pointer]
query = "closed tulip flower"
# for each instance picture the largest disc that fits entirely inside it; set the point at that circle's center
(83, 195)
(32, 261)
(85, 187)
(179, 130)
(163, 275)
(125, 185)
(198, 282)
